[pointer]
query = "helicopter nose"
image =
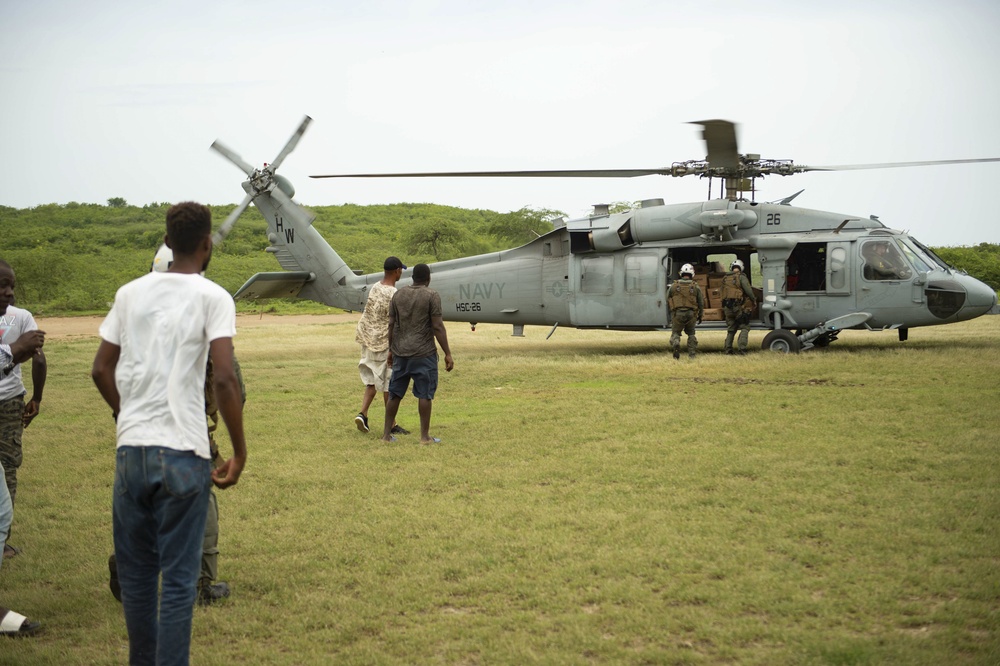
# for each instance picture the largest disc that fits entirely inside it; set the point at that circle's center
(980, 298)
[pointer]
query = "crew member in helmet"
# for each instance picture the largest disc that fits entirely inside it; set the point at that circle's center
(738, 302)
(687, 305)
(208, 591)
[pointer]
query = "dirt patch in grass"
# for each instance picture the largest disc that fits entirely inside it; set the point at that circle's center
(60, 328)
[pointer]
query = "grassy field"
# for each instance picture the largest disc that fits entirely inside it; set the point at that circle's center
(593, 501)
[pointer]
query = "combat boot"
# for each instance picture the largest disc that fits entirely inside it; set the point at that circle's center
(208, 593)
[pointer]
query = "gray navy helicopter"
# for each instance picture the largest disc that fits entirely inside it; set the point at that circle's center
(820, 272)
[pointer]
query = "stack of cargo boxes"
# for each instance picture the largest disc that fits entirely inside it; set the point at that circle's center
(709, 278)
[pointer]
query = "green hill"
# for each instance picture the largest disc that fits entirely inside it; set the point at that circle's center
(70, 259)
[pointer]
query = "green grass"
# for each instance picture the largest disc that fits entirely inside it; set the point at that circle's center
(593, 501)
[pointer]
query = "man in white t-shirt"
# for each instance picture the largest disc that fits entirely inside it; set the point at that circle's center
(15, 413)
(150, 369)
(13, 623)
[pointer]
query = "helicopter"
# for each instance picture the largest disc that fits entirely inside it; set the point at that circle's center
(818, 270)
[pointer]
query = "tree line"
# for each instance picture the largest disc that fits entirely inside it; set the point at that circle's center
(71, 258)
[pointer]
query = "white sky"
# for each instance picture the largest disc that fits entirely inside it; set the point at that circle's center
(110, 99)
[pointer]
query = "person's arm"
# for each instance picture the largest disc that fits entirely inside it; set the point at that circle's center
(103, 374)
(701, 303)
(392, 325)
(229, 400)
(437, 325)
(27, 345)
(747, 288)
(39, 371)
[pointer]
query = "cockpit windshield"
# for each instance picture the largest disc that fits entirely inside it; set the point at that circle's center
(928, 253)
(917, 258)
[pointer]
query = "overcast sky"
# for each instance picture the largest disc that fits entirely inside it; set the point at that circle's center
(110, 99)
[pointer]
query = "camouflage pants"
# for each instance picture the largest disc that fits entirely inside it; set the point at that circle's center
(210, 545)
(737, 318)
(11, 428)
(683, 321)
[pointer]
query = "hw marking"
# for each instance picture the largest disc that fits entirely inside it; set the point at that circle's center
(279, 226)
(480, 290)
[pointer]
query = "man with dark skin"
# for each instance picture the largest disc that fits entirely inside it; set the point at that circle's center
(16, 414)
(414, 324)
(372, 334)
(150, 369)
(25, 347)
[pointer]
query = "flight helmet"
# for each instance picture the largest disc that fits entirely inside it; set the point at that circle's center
(162, 260)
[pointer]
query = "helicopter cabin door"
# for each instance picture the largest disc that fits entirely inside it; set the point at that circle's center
(618, 290)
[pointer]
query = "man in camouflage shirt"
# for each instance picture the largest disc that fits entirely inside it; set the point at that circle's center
(373, 336)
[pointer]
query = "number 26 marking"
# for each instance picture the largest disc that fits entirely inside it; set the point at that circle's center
(773, 219)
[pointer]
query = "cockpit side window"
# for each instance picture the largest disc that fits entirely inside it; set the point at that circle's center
(883, 261)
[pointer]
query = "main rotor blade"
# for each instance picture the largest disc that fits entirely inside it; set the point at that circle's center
(720, 139)
(570, 173)
(224, 230)
(891, 165)
(230, 155)
(292, 142)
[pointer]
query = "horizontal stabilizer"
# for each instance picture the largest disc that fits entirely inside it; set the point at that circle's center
(283, 284)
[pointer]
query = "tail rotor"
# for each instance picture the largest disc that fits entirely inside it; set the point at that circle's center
(264, 182)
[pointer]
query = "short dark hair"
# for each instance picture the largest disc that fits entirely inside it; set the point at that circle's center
(187, 224)
(421, 274)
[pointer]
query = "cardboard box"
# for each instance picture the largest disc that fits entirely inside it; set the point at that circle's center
(714, 298)
(713, 314)
(702, 281)
(715, 280)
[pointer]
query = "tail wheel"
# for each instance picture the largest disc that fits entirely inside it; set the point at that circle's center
(781, 340)
(824, 341)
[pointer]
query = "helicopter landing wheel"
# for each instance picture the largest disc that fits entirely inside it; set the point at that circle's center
(823, 341)
(781, 340)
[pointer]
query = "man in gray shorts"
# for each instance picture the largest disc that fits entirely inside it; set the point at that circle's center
(373, 336)
(414, 323)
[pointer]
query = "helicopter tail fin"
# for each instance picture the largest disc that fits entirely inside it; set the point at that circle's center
(314, 270)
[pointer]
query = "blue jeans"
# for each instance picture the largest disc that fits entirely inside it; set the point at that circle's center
(160, 504)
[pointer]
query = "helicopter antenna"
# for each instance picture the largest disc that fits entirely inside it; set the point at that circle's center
(787, 200)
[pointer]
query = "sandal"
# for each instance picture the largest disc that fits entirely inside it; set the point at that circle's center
(15, 624)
